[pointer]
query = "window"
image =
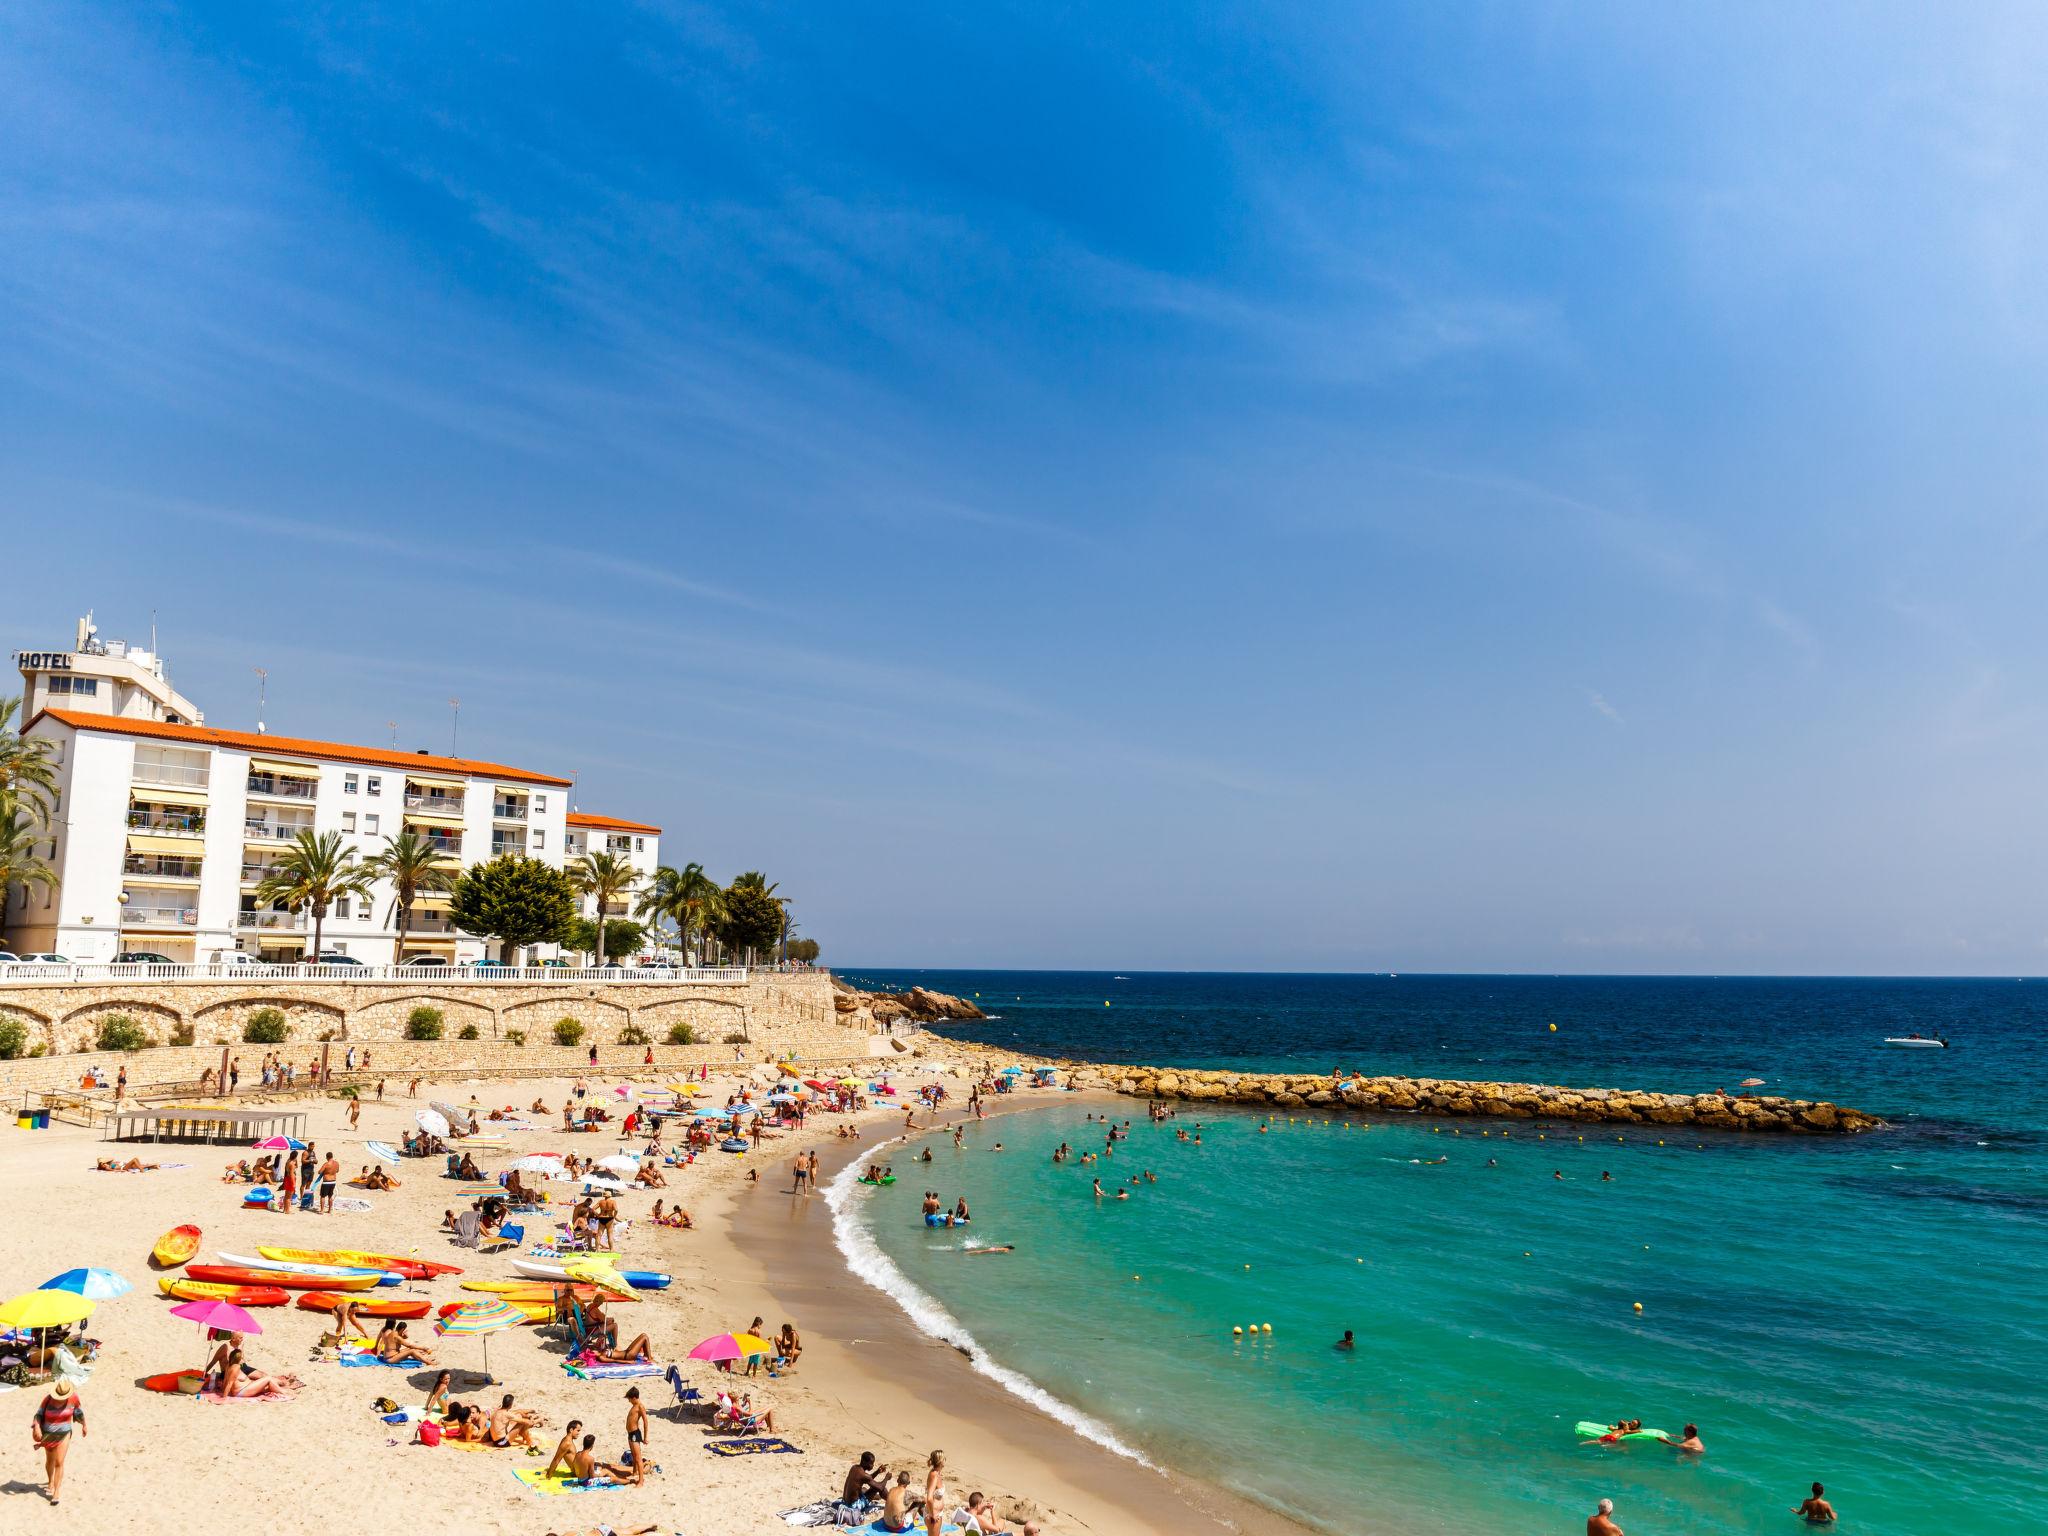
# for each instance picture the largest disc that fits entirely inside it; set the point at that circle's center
(370, 821)
(540, 838)
(341, 906)
(348, 821)
(639, 845)
(540, 803)
(376, 785)
(349, 784)
(85, 685)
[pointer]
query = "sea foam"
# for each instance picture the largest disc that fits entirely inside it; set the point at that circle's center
(866, 1259)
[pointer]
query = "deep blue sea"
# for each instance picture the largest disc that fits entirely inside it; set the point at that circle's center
(1867, 1312)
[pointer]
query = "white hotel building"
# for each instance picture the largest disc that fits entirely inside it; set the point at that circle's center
(162, 827)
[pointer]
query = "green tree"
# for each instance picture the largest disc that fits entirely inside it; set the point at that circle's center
(606, 878)
(20, 864)
(415, 868)
(622, 937)
(25, 766)
(424, 1023)
(119, 1032)
(266, 1026)
(803, 950)
(316, 871)
(13, 1037)
(568, 1031)
(750, 918)
(517, 901)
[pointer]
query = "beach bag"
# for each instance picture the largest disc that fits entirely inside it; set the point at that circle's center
(430, 1432)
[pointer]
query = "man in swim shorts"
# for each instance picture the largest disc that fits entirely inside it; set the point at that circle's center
(565, 1449)
(1601, 1521)
(329, 1172)
(511, 1426)
(1689, 1441)
(862, 1481)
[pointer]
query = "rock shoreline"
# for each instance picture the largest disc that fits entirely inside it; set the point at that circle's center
(1497, 1101)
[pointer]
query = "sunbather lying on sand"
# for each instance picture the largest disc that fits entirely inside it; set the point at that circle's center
(133, 1165)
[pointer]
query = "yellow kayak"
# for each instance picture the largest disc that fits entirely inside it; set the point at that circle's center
(357, 1258)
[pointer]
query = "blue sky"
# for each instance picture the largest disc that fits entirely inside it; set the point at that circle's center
(1532, 487)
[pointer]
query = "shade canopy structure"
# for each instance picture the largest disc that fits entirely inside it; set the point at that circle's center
(380, 1151)
(731, 1346)
(201, 1122)
(93, 1284)
(45, 1309)
(483, 1318)
(215, 1313)
(430, 1121)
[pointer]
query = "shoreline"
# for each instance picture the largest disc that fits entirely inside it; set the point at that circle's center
(1024, 1454)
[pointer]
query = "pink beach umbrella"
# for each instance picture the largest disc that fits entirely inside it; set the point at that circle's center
(727, 1346)
(215, 1313)
(277, 1144)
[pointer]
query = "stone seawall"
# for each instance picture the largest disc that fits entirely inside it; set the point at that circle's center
(1500, 1101)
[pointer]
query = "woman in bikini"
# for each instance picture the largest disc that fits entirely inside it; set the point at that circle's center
(935, 1493)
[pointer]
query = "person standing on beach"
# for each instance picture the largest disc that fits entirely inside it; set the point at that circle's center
(636, 1434)
(802, 1171)
(51, 1431)
(355, 1112)
(1601, 1521)
(329, 1172)
(234, 1076)
(935, 1493)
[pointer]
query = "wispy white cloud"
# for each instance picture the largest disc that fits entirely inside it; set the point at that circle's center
(1600, 706)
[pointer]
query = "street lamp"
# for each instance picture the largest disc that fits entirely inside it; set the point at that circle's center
(120, 916)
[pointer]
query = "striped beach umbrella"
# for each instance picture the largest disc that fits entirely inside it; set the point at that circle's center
(93, 1284)
(383, 1152)
(731, 1346)
(482, 1317)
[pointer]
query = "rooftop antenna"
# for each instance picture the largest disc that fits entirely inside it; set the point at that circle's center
(152, 632)
(394, 733)
(262, 696)
(454, 723)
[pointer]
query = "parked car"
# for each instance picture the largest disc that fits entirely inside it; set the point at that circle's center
(9, 957)
(334, 957)
(44, 960)
(235, 960)
(488, 965)
(142, 957)
(424, 960)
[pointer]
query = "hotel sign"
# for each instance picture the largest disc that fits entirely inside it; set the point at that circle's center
(43, 661)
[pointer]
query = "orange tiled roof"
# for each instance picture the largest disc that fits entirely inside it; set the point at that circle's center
(607, 823)
(292, 746)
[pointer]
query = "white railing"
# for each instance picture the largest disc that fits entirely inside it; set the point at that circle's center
(504, 845)
(273, 831)
(271, 919)
(283, 789)
(183, 917)
(186, 774)
(164, 821)
(439, 805)
(163, 866)
(508, 810)
(728, 975)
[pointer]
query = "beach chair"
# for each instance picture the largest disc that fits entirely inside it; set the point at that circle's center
(508, 1235)
(687, 1396)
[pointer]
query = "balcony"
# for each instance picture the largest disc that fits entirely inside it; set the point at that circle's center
(434, 805)
(183, 775)
(508, 810)
(256, 831)
(253, 871)
(161, 866)
(514, 846)
(271, 786)
(176, 823)
(160, 917)
(445, 847)
(429, 924)
(295, 920)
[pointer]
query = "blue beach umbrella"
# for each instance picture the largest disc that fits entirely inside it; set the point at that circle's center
(93, 1284)
(381, 1152)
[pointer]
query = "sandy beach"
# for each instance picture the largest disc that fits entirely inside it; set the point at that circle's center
(325, 1462)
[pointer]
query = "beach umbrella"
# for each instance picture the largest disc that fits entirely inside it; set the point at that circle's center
(380, 1151)
(277, 1144)
(479, 1191)
(624, 1090)
(625, 1167)
(215, 1313)
(93, 1284)
(446, 1110)
(731, 1346)
(1752, 1082)
(45, 1309)
(602, 1181)
(812, 1082)
(431, 1122)
(849, 1082)
(597, 1272)
(482, 1317)
(547, 1164)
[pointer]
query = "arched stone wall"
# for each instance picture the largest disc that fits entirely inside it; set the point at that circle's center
(78, 1030)
(306, 1021)
(385, 1019)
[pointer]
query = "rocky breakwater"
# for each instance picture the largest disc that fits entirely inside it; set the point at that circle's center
(1499, 1101)
(919, 1005)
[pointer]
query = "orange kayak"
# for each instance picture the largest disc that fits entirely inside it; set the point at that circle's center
(370, 1306)
(230, 1274)
(240, 1295)
(176, 1246)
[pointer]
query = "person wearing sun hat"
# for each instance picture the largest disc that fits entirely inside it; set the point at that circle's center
(58, 1414)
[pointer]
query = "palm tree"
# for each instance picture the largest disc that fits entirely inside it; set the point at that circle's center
(19, 863)
(25, 766)
(316, 871)
(414, 866)
(607, 877)
(688, 897)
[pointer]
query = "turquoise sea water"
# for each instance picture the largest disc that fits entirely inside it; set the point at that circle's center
(1865, 1312)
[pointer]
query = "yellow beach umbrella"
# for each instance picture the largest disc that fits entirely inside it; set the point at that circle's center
(45, 1309)
(592, 1272)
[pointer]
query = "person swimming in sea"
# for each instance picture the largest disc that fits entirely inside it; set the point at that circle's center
(1816, 1510)
(1347, 1342)
(1123, 1194)
(1689, 1441)
(927, 1156)
(1098, 1189)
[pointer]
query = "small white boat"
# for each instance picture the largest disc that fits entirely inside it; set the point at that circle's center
(1916, 1042)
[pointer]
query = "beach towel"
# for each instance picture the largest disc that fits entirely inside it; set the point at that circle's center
(598, 1370)
(359, 1358)
(540, 1482)
(351, 1204)
(762, 1445)
(267, 1395)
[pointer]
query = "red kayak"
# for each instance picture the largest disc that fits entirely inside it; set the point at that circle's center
(327, 1301)
(231, 1274)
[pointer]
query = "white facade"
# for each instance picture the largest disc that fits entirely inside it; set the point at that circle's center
(636, 842)
(101, 677)
(183, 820)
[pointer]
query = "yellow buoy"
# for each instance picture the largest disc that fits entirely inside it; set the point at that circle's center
(1236, 1331)
(1639, 1306)
(1265, 1327)
(1553, 1029)
(1527, 1254)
